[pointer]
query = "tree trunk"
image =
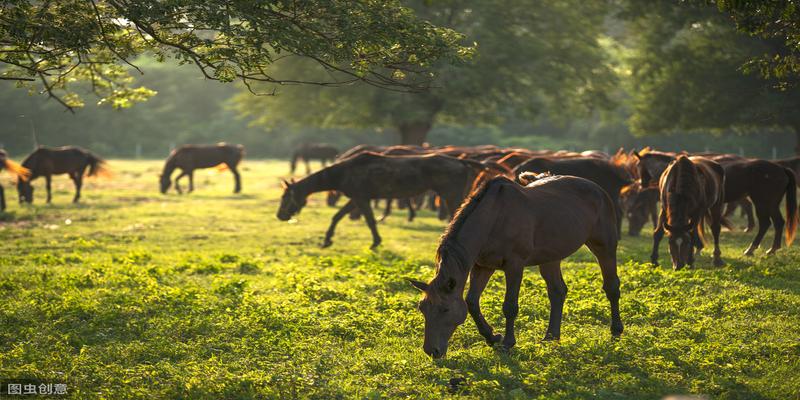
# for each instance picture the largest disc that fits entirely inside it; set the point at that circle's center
(414, 132)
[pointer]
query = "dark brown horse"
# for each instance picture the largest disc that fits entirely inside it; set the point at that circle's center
(639, 204)
(21, 172)
(505, 226)
(369, 176)
(313, 151)
(691, 190)
(49, 161)
(602, 172)
(190, 157)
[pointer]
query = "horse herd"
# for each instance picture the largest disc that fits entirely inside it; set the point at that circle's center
(508, 208)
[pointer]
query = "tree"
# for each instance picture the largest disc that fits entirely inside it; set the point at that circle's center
(50, 45)
(777, 21)
(687, 73)
(533, 57)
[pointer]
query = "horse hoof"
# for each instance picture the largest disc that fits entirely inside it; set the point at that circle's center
(508, 345)
(374, 245)
(771, 251)
(326, 243)
(616, 329)
(748, 252)
(494, 339)
(550, 338)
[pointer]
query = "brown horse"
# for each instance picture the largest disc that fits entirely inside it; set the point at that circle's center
(21, 172)
(602, 172)
(313, 151)
(763, 182)
(191, 157)
(369, 176)
(49, 161)
(505, 226)
(691, 189)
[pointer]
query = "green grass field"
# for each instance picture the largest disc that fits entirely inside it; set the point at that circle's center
(133, 294)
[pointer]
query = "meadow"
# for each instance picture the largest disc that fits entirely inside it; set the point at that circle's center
(134, 294)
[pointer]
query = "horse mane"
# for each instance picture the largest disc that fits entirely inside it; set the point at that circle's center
(467, 208)
(686, 175)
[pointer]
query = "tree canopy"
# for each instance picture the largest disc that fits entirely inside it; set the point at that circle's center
(532, 57)
(52, 45)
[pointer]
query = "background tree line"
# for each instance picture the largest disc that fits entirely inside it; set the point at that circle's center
(545, 74)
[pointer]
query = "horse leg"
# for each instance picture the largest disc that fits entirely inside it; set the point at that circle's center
(48, 180)
(191, 181)
(658, 234)
(557, 292)
(369, 217)
(387, 210)
(478, 278)
(618, 211)
(336, 218)
(308, 166)
(763, 215)
(77, 178)
(716, 227)
(237, 179)
(177, 185)
(778, 223)
(747, 209)
(607, 258)
(511, 302)
(412, 213)
(2, 199)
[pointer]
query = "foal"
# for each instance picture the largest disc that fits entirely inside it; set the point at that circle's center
(21, 172)
(505, 226)
(369, 176)
(49, 161)
(191, 157)
(691, 189)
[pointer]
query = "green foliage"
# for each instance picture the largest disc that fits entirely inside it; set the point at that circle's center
(111, 304)
(686, 73)
(533, 58)
(58, 43)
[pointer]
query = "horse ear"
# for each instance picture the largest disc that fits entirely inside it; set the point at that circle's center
(291, 180)
(422, 286)
(637, 155)
(284, 184)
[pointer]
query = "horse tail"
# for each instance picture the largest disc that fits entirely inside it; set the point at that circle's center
(97, 166)
(701, 229)
(791, 207)
(21, 172)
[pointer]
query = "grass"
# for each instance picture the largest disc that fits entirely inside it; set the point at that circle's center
(132, 294)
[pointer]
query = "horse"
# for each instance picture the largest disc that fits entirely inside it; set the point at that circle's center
(691, 190)
(21, 172)
(369, 176)
(198, 156)
(639, 204)
(313, 151)
(49, 161)
(764, 182)
(505, 226)
(602, 172)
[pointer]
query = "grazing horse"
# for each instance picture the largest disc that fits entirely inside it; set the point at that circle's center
(369, 176)
(49, 161)
(691, 189)
(505, 226)
(191, 157)
(21, 172)
(602, 172)
(313, 151)
(763, 182)
(639, 204)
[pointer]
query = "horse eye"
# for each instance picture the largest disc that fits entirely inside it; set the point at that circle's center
(444, 310)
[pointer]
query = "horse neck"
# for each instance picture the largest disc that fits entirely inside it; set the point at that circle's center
(460, 250)
(169, 166)
(319, 181)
